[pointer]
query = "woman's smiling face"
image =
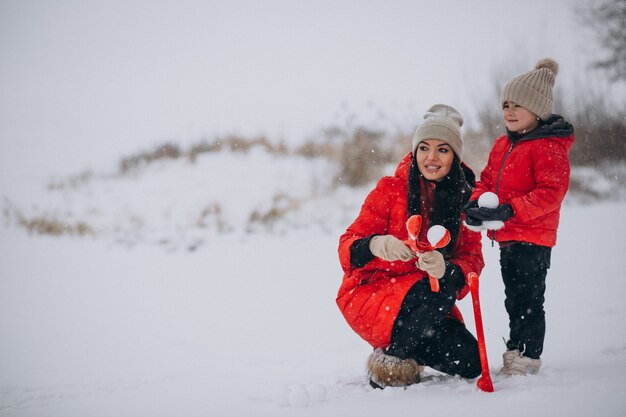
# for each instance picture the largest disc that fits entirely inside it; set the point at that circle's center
(434, 159)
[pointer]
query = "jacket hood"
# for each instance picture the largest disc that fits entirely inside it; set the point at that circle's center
(402, 171)
(555, 127)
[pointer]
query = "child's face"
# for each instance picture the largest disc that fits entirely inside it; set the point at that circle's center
(434, 159)
(517, 118)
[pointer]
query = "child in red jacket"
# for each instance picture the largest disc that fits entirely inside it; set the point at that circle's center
(528, 169)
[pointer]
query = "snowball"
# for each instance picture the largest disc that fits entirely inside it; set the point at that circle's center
(489, 200)
(435, 234)
(317, 392)
(299, 397)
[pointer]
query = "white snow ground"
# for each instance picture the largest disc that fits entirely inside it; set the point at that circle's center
(90, 327)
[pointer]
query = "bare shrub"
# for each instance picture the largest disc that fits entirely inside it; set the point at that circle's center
(491, 125)
(395, 146)
(476, 148)
(607, 21)
(361, 159)
(600, 130)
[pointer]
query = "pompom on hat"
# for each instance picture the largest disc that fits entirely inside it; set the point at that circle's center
(441, 122)
(533, 90)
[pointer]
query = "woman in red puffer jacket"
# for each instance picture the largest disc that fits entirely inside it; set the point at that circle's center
(384, 295)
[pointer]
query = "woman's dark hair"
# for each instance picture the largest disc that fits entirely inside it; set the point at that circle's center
(450, 195)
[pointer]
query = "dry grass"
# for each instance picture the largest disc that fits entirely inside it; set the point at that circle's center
(211, 216)
(365, 153)
(231, 143)
(236, 143)
(312, 149)
(44, 225)
(360, 153)
(165, 151)
(73, 182)
(281, 205)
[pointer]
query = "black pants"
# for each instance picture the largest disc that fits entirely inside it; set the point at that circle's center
(423, 332)
(524, 268)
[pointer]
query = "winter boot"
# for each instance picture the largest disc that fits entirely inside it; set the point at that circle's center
(389, 371)
(514, 363)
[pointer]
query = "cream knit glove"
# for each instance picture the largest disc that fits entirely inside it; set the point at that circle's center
(390, 248)
(433, 263)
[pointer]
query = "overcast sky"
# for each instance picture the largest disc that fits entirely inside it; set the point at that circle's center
(85, 81)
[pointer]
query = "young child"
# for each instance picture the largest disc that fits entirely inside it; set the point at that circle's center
(528, 169)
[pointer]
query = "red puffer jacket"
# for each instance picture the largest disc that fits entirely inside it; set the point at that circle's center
(531, 173)
(370, 297)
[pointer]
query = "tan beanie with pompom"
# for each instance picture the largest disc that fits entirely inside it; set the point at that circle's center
(533, 90)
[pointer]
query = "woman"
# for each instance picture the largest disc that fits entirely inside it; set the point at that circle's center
(384, 295)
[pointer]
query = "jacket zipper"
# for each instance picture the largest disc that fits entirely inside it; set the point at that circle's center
(506, 155)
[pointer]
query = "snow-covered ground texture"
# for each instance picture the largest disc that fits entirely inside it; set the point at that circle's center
(246, 324)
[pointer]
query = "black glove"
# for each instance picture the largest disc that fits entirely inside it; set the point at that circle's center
(470, 220)
(502, 213)
(470, 204)
(473, 221)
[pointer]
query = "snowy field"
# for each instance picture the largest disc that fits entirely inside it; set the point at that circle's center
(166, 315)
(208, 288)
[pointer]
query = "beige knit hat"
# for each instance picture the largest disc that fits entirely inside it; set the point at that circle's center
(441, 122)
(533, 90)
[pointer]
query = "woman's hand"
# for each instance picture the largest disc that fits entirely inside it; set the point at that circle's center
(432, 262)
(390, 248)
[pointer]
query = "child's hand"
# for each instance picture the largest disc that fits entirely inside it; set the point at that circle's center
(469, 219)
(470, 204)
(502, 213)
